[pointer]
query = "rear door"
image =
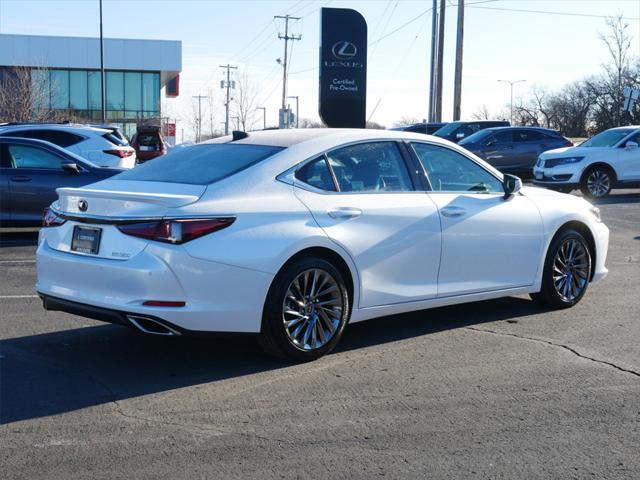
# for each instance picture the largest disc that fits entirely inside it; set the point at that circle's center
(5, 197)
(363, 197)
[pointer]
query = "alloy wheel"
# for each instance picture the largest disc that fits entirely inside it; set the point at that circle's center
(312, 309)
(571, 269)
(598, 183)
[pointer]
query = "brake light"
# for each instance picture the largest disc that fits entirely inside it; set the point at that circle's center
(51, 219)
(177, 230)
(120, 153)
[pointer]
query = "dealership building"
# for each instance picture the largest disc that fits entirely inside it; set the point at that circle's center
(67, 70)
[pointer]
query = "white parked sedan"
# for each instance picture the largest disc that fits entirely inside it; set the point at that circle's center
(292, 234)
(608, 160)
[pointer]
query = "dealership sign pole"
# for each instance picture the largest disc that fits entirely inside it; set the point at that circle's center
(343, 68)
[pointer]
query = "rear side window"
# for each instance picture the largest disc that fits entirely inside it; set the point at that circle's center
(23, 156)
(317, 174)
(57, 137)
(115, 139)
(370, 167)
(200, 164)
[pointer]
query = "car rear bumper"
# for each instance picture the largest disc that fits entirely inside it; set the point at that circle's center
(217, 297)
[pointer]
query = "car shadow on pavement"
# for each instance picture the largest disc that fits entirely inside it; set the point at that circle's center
(58, 372)
(18, 239)
(615, 198)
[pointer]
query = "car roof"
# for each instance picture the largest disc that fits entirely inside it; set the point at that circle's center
(519, 127)
(294, 136)
(52, 126)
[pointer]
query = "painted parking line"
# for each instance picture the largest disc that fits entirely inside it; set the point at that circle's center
(17, 261)
(19, 296)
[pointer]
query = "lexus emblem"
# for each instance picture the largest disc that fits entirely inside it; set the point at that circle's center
(344, 50)
(83, 205)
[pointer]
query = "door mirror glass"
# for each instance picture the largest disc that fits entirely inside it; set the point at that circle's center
(71, 168)
(511, 185)
(631, 144)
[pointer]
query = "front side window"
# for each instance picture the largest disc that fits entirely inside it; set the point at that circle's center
(317, 174)
(23, 156)
(528, 136)
(202, 164)
(451, 171)
(503, 137)
(370, 167)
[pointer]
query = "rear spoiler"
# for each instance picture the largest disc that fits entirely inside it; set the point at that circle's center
(165, 199)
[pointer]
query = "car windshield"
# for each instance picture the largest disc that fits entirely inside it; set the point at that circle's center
(476, 137)
(607, 138)
(200, 164)
(448, 129)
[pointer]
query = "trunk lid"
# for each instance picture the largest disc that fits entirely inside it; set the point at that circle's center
(127, 198)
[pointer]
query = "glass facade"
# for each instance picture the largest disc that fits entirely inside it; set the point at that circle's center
(129, 95)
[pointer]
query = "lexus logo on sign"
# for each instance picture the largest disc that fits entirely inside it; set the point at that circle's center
(83, 205)
(344, 50)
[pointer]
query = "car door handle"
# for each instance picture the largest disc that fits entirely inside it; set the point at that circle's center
(20, 178)
(453, 211)
(344, 212)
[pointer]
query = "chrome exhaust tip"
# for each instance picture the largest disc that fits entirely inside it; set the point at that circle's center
(151, 326)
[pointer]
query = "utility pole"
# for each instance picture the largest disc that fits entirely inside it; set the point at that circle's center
(228, 85)
(440, 75)
(286, 37)
(264, 117)
(297, 109)
(457, 87)
(199, 129)
(511, 84)
(434, 46)
(103, 100)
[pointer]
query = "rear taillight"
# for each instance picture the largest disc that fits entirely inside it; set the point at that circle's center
(51, 219)
(120, 153)
(177, 230)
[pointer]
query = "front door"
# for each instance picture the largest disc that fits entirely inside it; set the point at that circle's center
(363, 197)
(489, 242)
(628, 164)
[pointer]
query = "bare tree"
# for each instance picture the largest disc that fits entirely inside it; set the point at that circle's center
(309, 123)
(618, 42)
(375, 125)
(403, 121)
(25, 95)
(482, 113)
(245, 101)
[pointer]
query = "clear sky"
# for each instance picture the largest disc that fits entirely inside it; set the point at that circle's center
(546, 49)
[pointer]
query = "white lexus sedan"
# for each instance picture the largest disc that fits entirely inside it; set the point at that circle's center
(292, 234)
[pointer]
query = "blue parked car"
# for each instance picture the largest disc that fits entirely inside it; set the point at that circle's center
(30, 172)
(514, 150)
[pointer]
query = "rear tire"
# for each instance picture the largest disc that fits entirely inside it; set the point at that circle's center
(597, 182)
(306, 311)
(567, 268)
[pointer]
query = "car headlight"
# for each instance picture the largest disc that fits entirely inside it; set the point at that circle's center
(595, 211)
(554, 162)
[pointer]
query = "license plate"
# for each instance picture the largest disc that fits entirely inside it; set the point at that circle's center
(86, 240)
(539, 175)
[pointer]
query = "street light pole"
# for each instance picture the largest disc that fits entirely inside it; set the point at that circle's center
(103, 101)
(297, 109)
(264, 117)
(511, 84)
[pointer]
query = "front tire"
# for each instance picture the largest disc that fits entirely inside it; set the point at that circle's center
(566, 272)
(306, 311)
(597, 182)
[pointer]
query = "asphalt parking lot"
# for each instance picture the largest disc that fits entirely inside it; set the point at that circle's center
(497, 389)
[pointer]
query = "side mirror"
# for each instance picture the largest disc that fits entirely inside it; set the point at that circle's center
(459, 136)
(71, 168)
(631, 145)
(511, 185)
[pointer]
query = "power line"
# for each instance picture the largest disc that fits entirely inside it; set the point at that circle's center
(547, 12)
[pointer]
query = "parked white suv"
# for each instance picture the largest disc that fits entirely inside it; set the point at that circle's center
(608, 160)
(98, 145)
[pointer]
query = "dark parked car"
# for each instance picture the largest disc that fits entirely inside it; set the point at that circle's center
(30, 172)
(426, 128)
(456, 131)
(514, 149)
(148, 143)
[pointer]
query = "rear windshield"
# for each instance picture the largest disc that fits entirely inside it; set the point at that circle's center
(200, 164)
